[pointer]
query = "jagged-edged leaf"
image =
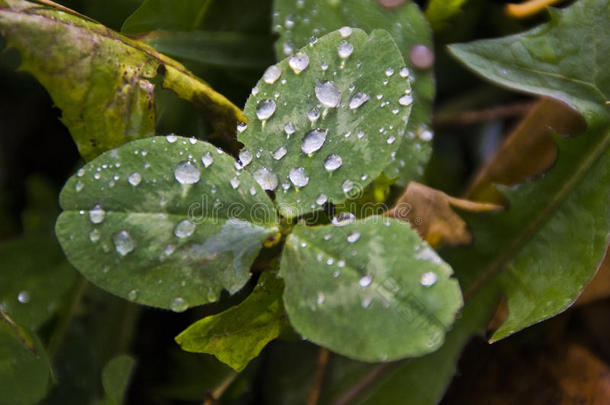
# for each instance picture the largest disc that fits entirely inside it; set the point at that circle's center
(238, 334)
(165, 221)
(115, 378)
(34, 276)
(101, 80)
(24, 366)
(556, 229)
(409, 28)
(371, 289)
(326, 120)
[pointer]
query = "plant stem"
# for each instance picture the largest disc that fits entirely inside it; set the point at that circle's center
(364, 384)
(477, 116)
(212, 397)
(316, 388)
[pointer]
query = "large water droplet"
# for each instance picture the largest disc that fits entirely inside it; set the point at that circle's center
(298, 62)
(184, 229)
(389, 72)
(187, 173)
(298, 176)
(345, 49)
(353, 237)
(23, 297)
(358, 99)
(207, 159)
(171, 138)
(365, 281)
(123, 243)
(134, 179)
(265, 109)
(333, 162)
(405, 100)
(321, 200)
(404, 72)
(272, 74)
(178, 305)
(97, 214)
(245, 157)
(428, 279)
(345, 31)
(280, 153)
(313, 141)
(328, 94)
(266, 178)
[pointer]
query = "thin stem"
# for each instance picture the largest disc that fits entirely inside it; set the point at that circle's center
(364, 384)
(212, 397)
(316, 388)
(477, 116)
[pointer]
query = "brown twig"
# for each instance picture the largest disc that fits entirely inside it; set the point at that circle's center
(477, 116)
(364, 384)
(212, 397)
(316, 387)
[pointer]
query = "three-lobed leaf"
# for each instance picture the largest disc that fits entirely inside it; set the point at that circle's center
(371, 289)
(407, 26)
(327, 120)
(165, 221)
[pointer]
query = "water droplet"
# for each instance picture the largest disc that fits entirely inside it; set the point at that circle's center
(187, 173)
(171, 138)
(234, 182)
(345, 49)
(428, 279)
(78, 186)
(345, 31)
(321, 298)
(404, 72)
(94, 235)
(123, 243)
(266, 178)
(421, 56)
(245, 157)
(391, 140)
(97, 214)
(405, 100)
(254, 91)
(288, 47)
(133, 295)
(134, 179)
(321, 200)
(313, 114)
(23, 297)
(289, 129)
(97, 176)
(313, 141)
(333, 162)
(252, 191)
(207, 159)
(241, 127)
(328, 94)
(341, 263)
(80, 172)
(280, 153)
(265, 109)
(353, 237)
(298, 62)
(389, 72)
(324, 66)
(365, 281)
(358, 99)
(178, 305)
(425, 135)
(366, 301)
(298, 176)
(272, 74)
(343, 218)
(184, 229)
(347, 186)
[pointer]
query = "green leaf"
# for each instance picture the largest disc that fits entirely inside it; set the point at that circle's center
(556, 229)
(115, 378)
(237, 335)
(333, 148)
(34, 277)
(164, 221)
(362, 288)
(166, 15)
(24, 367)
(88, 68)
(407, 25)
(439, 12)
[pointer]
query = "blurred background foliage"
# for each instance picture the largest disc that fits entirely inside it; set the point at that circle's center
(229, 44)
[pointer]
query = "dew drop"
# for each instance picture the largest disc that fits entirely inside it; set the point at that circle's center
(207, 159)
(266, 179)
(298, 62)
(241, 127)
(366, 301)
(313, 141)
(265, 109)
(134, 179)
(365, 281)
(187, 173)
(321, 200)
(298, 176)
(345, 31)
(405, 100)
(404, 72)
(23, 297)
(78, 186)
(289, 129)
(245, 157)
(123, 243)
(171, 138)
(279, 153)
(345, 49)
(234, 182)
(80, 172)
(321, 298)
(133, 295)
(347, 186)
(391, 140)
(328, 94)
(353, 237)
(358, 99)
(343, 218)
(313, 114)
(428, 279)
(94, 235)
(272, 74)
(97, 214)
(425, 135)
(389, 72)
(184, 229)
(178, 305)
(333, 162)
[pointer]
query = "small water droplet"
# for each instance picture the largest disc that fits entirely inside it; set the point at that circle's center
(241, 127)
(333, 162)
(313, 141)
(365, 281)
(288, 47)
(321, 200)
(425, 135)
(428, 279)
(94, 235)
(328, 94)
(391, 140)
(345, 49)
(133, 295)
(389, 72)
(404, 72)
(272, 74)
(23, 297)
(245, 157)
(266, 178)
(313, 114)
(97, 214)
(171, 138)
(78, 186)
(345, 31)
(347, 186)
(353, 237)
(289, 129)
(298, 62)
(234, 182)
(358, 99)
(178, 305)
(187, 172)
(207, 159)
(321, 298)
(343, 218)
(265, 109)
(341, 263)
(184, 229)
(123, 243)
(80, 172)
(405, 100)
(298, 177)
(280, 153)
(134, 179)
